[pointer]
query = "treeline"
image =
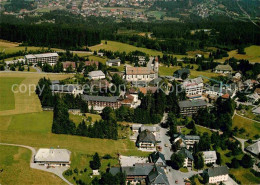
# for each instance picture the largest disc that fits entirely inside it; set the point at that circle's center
(50, 35)
(106, 128)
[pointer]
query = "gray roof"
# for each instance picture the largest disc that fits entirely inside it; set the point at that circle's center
(150, 128)
(156, 81)
(114, 60)
(100, 98)
(96, 73)
(181, 71)
(254, 148)
(158, 176)
(146, 136)
(139, 170)
(157, 155)
(256, 110)
(191, 137)
(186, 153)
(192, 103)
(217, 171)
(52, 155)
(224, 68)
(210, 155)
(114, 170)
(63, 88)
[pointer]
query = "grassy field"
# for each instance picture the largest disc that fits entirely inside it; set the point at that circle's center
(16, 168)
(121, 47)
(199, 129)
(245, 176)
(6, 94)
(78, 119)
(24, 101)
(252, 54)
(251, 128)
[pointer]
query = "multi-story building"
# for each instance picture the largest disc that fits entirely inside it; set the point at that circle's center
(190, 107)
(193, 87)
(209, 157)
(100, 102)
(50, 58)
(188, 157)
(217, 174)
(186, 141)
(146, 140)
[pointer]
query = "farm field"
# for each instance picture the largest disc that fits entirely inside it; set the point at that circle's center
(251, 128)
(25, 101)
(252, 54)
(122, 47)
(17, 170)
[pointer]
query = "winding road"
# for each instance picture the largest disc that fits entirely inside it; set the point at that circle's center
(57, 171)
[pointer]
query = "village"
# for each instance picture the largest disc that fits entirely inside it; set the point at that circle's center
(169, 154)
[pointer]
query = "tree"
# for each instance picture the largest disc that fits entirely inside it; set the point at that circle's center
(247, 161)
(235, 163)
(177, 160)
(198, 160)
(95, 163)
(218, 158)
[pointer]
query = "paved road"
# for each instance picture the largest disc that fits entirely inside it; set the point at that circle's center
(246, 117)
(57, 170)
(38, 70)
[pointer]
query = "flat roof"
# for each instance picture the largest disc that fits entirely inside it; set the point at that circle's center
(52, 155)
(100, 98)
(96, 73)
(192, 103)
(30, 56)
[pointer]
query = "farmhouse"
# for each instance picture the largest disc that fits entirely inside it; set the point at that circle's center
(52, 157)
(50, 58)
(100, 102)
(190, 107)
(96, 75)
(67, 89)
(209, 157)
(146, 140)
(145, 74)
(226, 69)
(217, 174)
(113, 62)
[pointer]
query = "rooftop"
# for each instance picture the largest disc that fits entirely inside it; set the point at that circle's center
(217, 171)
(138, 71)
(52, 155)
(146, 136)
(42, 55)
(254, 148)
(224, 68)
(100, 98)
(114, 60)
(192, 103)
(209, 155)
(96, 73)
(132, 160)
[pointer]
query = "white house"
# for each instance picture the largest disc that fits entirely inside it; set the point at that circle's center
(67, 89)
(193, 87)
(113, 62)
(209, 157)
(217, 174)
(52, 157)
(96, 75)
(50, 58)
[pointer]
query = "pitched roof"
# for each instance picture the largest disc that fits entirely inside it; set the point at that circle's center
(224, 68)
(89, 63)
(138, 71)
(217, 171)
(67, 64)
(158, 176)
(114, 170)
(150, 128)
(210, 155)
(145, 90)
(254, 148)
(186, 153)
(114, 60)
(96, 73)
(146, 136)
(139, 170)
(192, 103)
(256, 110)
(156, 155)
(100, 98)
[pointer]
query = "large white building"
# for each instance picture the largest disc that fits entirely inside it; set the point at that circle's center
(146, 74)
(52, 157)
(209, 157)
(50, 58)
(217, 174)
(193, 87)
(96, 75)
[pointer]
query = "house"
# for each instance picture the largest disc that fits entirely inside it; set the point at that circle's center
(190, 107)
(256, 110)
(129, 101)
(193, 87)
(157, 158)
(209, 157)
(100, 102)
(186, 141)
(145, 90)
(254, 149)
(67, 89)
(91, 63)
(216, 91)
(50, 58)
(146, 140)
(52, 157)
(188, 158)
(96, 75)
(225, 69)
(66, 65)
(253, 98)
(237, 76)
(182, 73)
(146, 74)
(148, 174)
(113, 62)
(217, 174)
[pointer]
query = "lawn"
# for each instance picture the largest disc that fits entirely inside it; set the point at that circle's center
(16, 169)
(245, 176)
(121, 47)
(199, 129)
(251, 128)
(25, 101)
(6, 94)
(78, 118)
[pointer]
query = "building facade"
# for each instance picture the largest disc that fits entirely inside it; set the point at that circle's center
(190, 107)
(50, 58)
(217, 174)
(193, 87)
